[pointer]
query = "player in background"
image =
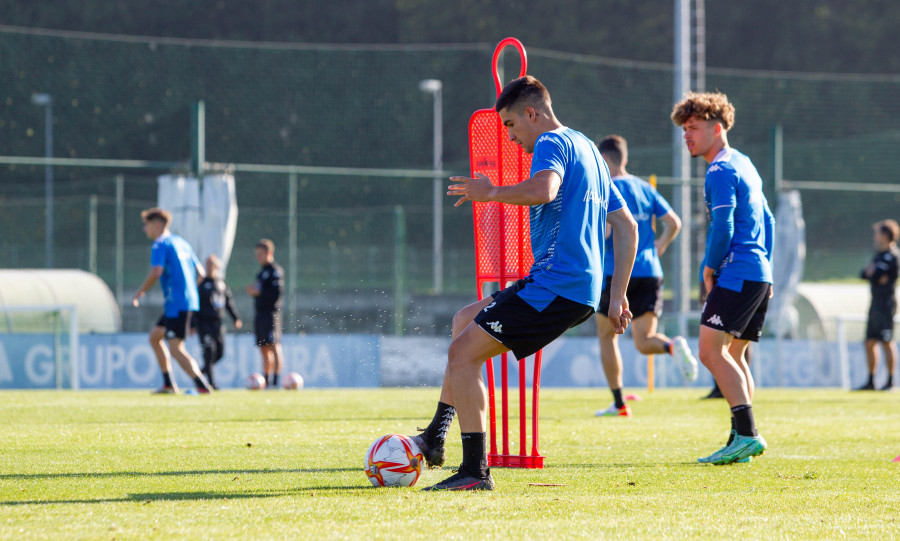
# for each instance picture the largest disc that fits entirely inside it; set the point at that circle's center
(882, 276)
(266, 291)
(215, 300)
(174, 265)
(571, 199)
(646, 284)
(737, 267)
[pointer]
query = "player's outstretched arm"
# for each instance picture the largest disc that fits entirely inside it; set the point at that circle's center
(539, 189)
(152, 277)
(625, 247)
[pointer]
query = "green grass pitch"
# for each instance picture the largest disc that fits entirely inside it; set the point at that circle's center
(256, 465)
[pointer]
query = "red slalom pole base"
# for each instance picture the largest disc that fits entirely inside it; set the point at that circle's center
(516, 461)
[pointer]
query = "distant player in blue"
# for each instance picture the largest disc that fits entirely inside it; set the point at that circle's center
(645, 287)
(737, 267)
(174, 265)
(571, 199)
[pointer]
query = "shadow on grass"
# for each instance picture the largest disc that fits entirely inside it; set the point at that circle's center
(91, 475)
(150, 497)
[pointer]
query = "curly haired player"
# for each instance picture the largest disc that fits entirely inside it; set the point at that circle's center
(737, 267)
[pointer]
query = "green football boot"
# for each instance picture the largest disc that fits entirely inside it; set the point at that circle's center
(742, 447)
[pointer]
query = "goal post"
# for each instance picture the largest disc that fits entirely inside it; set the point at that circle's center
(56, 320)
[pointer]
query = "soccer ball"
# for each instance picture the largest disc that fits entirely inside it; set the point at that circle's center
(256, 382)
(293, 381)
(393, 461)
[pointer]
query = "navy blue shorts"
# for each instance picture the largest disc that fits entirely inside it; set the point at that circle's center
(521, 327)
(880, 325)
(643, 295)
(268, 328)
(176, 327)
(739, 313)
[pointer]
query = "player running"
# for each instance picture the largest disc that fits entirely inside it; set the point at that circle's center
(737, 267)
(174, 265)
(571, 199)
(645, 286)
(882, 276)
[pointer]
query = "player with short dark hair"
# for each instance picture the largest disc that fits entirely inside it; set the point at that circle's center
(215, 300)
(645, 286)
(174, 265)
(737, 266)
(882, 276)
(570, 198)
(266, 291)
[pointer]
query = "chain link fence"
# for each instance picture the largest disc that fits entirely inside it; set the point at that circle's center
(129, 98)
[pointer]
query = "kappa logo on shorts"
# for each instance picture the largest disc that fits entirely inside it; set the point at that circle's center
(496, 327)
(715, 320)
(170, 334)
(488, 307)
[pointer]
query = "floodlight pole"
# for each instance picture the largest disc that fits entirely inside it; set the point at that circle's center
(46, 101)
(681, 164)
(435, 88)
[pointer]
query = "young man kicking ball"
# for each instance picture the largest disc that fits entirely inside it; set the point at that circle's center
(737, 267)
(645, 286)
(571, 199)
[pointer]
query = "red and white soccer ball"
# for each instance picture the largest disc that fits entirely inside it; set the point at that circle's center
(256, 382)
(393, 461)
(292, 381)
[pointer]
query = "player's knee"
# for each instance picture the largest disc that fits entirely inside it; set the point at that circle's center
(644, 345)
(156, 336)
(460, 320)
(457, 356)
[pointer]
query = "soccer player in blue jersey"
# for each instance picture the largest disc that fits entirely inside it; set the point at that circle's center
(176, 268)
(571, 199)
(737, 267)
(644, 291)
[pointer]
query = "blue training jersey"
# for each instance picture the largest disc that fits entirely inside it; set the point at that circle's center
(734, 185)
(644, 202)
(567, 233)
(178, 280)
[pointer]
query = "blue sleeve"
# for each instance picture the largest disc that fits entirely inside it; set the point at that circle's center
(770, 232)
(661, 207)
(158, 255)
(616, 202)
(721, 231)
(722, 196)
(548, 154)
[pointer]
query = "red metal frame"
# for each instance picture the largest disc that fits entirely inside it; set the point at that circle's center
(503, 254)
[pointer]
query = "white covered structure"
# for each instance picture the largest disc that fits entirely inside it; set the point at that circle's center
(27, 296)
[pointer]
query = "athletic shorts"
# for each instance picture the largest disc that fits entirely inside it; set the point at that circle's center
(522, 328)
(880, 325)
(268, 328)
(740, 314)
(643, 294)
(176, 327)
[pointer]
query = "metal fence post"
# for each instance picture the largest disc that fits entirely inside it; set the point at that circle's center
(292, 272)
(120, 238)
(399, 268)
(92, 234)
